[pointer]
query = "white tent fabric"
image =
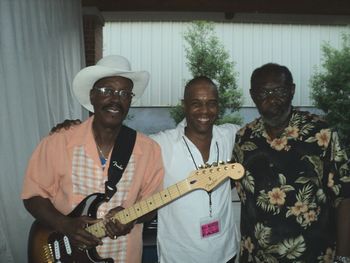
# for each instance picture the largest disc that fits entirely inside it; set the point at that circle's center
(41, 49)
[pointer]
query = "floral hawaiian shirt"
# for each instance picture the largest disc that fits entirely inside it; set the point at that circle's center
(291, 188)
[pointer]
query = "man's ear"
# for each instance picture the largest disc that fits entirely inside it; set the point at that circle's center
(252, 96)
(92, 96)
(292, 90)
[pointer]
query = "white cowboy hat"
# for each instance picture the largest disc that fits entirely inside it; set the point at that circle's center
(108, 66)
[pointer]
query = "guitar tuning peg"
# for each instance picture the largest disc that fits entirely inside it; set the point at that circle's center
(221, 162)
(200, 166)
(214, 164)
(207, 165)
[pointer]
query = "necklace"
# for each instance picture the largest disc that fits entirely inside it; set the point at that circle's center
(194, 162)
(103, 159)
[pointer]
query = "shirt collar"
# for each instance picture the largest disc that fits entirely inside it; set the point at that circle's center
(84, 136)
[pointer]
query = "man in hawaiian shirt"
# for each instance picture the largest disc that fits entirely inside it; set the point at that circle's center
(296, 192)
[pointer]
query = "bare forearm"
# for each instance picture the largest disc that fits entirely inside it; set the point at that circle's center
(343, 228)
(43, 210)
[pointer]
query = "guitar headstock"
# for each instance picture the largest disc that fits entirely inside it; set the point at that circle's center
(208, 178)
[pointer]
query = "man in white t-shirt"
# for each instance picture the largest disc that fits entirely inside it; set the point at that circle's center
(194, 142)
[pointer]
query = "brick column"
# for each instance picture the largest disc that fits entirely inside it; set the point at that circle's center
(93, 38)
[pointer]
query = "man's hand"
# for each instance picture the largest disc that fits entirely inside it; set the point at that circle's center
(43, 210)
(65, 125)
(116, 229)
(74, 229)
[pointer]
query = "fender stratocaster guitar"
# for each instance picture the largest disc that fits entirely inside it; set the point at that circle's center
(48, 246)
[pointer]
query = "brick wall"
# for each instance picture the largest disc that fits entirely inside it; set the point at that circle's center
(93, 38)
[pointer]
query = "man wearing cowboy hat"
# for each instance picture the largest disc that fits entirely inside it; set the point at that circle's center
(70, 165)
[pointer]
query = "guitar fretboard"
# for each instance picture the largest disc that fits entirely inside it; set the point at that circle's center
(145, 206)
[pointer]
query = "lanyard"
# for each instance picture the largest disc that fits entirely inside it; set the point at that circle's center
(195, 165)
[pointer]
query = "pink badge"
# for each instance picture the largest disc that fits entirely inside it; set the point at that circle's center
(210, 229)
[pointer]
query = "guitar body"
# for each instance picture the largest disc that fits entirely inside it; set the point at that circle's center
(48, 246)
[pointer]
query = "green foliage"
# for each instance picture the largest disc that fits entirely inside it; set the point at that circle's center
(206, 56)
(330, 88)
(230, 118)
(177, 113)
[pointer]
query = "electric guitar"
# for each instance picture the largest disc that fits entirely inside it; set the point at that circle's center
(48, 246)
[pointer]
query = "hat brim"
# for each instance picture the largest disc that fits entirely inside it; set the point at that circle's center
(87, 77)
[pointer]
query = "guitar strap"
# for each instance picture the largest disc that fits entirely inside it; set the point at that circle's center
(123, 146)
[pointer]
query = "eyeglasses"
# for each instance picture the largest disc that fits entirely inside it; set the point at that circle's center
(108, 92)
(262, 94)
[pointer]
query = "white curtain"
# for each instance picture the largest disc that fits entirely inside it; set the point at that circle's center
(41, 49)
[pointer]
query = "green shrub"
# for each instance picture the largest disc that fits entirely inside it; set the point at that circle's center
(206, 56)
(330, 87)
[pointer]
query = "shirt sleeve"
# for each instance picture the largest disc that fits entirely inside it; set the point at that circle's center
(165, 142)
(41, 177)
(338, 179)
(153, 172)
(237, 153)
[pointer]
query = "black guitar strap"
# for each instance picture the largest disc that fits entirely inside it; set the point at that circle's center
(124, 144)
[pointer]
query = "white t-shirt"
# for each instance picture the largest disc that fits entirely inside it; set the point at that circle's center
(179, 237)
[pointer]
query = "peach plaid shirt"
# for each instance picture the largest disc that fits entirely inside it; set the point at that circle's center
(65, 167)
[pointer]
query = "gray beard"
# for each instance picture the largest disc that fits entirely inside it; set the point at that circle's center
(278, 121)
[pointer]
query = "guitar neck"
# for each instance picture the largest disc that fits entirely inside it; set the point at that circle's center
(144, 207)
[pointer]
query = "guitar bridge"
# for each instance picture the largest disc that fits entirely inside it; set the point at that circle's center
(48, 253)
